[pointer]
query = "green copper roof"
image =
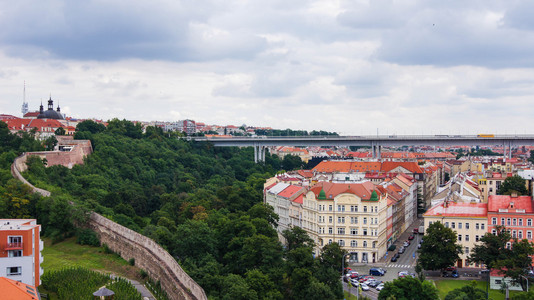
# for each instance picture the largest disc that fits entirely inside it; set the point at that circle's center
(374, 196)
(322, 195)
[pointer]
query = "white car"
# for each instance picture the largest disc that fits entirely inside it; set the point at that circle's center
(364, 287)
(367, 282)
(380, 286)
(354, 282)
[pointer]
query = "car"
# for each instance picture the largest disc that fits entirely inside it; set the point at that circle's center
(380, 286)
(450, 269)
(395, 257)
(454, 274)
(411, 237)
(354, 282)
(415, 230)
(346, 278)
(401, 250)
(406, 244)
(353, 274)
(364, 287)
(348, 270)
(364, 278)
(375, 283)
(403, 274)
(377, 271)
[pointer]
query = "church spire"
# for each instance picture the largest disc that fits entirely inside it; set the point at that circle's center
(41, 109)
(58, 106)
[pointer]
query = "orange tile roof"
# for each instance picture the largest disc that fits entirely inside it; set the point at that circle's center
(299, 199)
(413, 167)
(362, 190)
(12, 289)
(290, 191)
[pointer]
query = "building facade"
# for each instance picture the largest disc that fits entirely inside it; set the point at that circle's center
(21, 246)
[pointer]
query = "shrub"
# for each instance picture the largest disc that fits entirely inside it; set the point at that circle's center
(131, 261)
(87, 237)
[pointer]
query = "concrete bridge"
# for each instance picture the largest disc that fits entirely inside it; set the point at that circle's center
(375, 142)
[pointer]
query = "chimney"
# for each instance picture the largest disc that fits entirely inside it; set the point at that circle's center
(514, 195)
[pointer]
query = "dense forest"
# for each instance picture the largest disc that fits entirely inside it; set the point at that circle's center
(203, 204)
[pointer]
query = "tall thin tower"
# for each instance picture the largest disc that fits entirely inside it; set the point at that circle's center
(24, 109)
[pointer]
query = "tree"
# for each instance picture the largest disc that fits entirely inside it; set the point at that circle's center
(408, 288)
(491, 249)
(513, 184)
(297, 237)
(291, 162)
(531, 158)
(91, 126)
(467, 292)
(60, 131)
(440, 249)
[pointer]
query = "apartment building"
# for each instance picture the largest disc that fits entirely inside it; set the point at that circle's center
(468, 220)
(21, 246)
(516, 213)
(351, 214)
(280, 196)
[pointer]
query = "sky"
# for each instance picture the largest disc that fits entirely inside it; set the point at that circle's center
(354, 67)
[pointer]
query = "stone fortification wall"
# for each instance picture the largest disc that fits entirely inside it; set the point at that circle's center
(149, 256)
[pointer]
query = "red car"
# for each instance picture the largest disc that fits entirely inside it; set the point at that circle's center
(411, 237)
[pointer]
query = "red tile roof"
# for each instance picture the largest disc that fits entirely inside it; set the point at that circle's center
(459, 209)
(299, 199)
(362, 190)
(12, 289)
(496, 202)
(290, 191)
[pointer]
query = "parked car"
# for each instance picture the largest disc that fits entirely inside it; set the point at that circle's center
(364, 278)
(406, 244)
(374, 283)
(403, 274)
(380, 286)
(395, 257)
(354, 282)
(377, 271)
(415, 230)
(454, 274)
(419, 246)
(401, 250)
(364, 287)
(411, 237)
(353, 274)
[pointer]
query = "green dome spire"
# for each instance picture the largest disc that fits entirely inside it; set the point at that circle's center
(322, 195)
(374, 196)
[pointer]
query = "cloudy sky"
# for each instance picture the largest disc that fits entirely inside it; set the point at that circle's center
(355, 67)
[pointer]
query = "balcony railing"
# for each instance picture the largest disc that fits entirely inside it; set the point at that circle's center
(14, 246)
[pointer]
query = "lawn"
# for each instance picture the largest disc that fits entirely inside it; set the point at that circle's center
(69, 254)
(446, 285)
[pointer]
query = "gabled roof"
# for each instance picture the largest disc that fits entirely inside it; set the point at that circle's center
(12, 289)
(299, 199)
(280, 186)
(413, 167)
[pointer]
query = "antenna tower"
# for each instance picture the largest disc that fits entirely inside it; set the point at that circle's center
(24, 109)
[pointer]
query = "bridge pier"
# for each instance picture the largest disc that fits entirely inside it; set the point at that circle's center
(259, 153)
(376, 150)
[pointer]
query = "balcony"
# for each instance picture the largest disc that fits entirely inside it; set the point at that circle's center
(14, 246)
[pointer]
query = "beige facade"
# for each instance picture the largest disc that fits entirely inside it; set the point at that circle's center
(468, 220)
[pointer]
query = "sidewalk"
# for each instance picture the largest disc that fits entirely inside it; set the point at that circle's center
(403, 237)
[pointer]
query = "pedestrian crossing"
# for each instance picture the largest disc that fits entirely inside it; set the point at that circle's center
(399, 266)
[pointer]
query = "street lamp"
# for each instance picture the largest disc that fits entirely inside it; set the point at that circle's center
(526, 280)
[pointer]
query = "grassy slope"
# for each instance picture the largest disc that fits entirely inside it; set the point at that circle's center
(69, 254)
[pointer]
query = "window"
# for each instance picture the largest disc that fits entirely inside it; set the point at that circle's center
(354, 244)
(15, 253)
(354, 231)
(508, 245)
(330, 230)
(341, 220)
(329, 241)
(466, 251)
(341, 243)
(354, 208)
(529, 222)
(459, 225)
(467, 237)
(330, 207)
(477, 227)
(365, 231)
(476, 238)
(341, 230)
(365, 244)
(321, 230)
(354, 220)
(482, 226)
(502, 221)
(364, 220)
(430, 223)
(466, 225)
(330, 219)
(459, 238)
(520, 222)
(12, 271)
(529, 235)
(341, 208)
(494, 221)
(447, 224)
(514, 234)
(508, 221)
(520, 234)
(364, 208)
(453, 225)
(514, 222)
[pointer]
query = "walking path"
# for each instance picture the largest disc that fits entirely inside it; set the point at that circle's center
(147, 295)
